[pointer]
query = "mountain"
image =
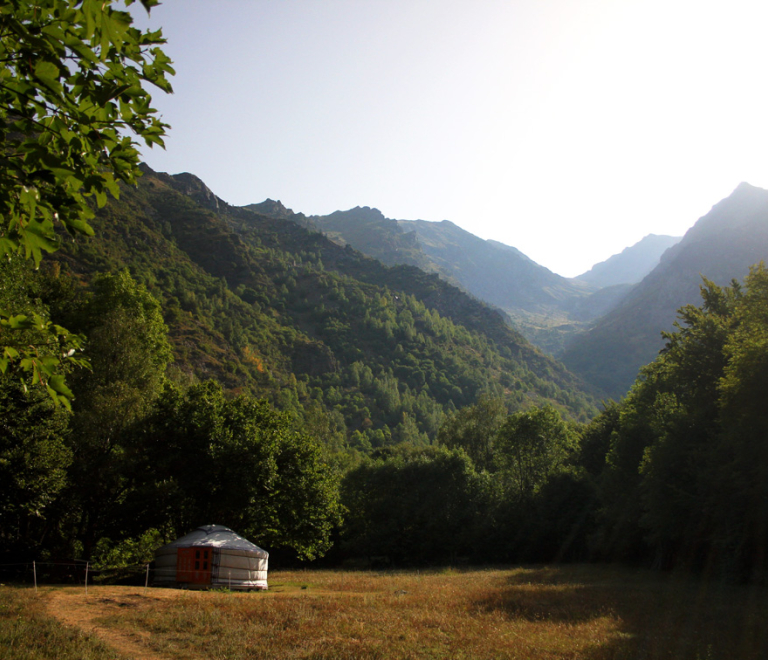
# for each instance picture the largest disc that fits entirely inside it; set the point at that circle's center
(368, 231)
(365, 353)
(494, 272)
(546, 307)
(271, 208)
(632, 264)
(721, 246)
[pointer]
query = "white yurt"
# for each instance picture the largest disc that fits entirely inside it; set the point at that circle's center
(211, 556)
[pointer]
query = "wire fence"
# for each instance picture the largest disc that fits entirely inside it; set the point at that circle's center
(77, 571)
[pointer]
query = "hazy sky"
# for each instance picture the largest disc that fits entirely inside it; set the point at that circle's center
(569, 129)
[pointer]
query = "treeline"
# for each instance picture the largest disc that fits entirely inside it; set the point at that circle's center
(498, 487)
(142, 456)
(674, 475)
(685, 478)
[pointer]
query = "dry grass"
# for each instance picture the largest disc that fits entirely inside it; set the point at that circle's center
(587, 612)
(569, 612)
(28, 632)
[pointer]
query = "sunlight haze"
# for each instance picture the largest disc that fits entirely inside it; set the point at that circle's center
(568, 130)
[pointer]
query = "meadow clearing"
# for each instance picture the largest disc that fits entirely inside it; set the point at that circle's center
(589, 612)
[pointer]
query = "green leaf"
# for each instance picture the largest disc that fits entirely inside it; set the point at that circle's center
(20, 322)
(81, 227)
(47, 72)
(8, 245)
(57, 384)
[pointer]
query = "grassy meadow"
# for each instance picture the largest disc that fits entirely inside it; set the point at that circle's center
(29, 632)
(588, 612)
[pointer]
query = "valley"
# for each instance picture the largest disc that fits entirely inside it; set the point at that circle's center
(440, 447)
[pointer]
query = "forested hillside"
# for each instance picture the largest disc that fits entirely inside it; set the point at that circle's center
(269, 307)
(544, 306)
(191, 310)
(368, 231)
(548, 309)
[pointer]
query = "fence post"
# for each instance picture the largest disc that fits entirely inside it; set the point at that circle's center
(146, 579)
(86, 577)
(34, 573)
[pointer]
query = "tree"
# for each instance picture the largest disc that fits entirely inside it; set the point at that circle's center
(414, 505)
(240, 463)
(686, 470)
(474, 429)
(658, 481)
(532, 446)
(71, 95)
(129, 351)
(741, 456)
(33, 453)
(33, 465)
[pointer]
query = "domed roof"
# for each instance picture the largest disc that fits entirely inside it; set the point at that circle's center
(217, 536)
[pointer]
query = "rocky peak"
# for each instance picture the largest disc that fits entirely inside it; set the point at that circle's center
(271, 209)
(190, 185)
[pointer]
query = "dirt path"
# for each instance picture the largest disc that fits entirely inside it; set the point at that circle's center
(72, 607)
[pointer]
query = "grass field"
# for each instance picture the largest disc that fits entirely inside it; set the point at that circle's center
(551, 612)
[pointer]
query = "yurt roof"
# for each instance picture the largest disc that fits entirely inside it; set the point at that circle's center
(217, 536)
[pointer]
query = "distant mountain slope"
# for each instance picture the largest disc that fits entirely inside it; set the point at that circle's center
(271, 208)
(369, 353)
(494, 272)
(546, 307)
(368, 231)
(720, 246)
(632, 264)
(275, 209)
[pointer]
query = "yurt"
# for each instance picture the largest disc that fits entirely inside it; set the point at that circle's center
(211, 556)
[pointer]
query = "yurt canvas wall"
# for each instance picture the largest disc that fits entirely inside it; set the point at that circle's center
(211, 556)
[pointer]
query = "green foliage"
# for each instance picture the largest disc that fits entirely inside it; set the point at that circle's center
(430, 504)
(34, 462)
(656, 482)
(241, 464)
(139, 453)
(33, 455)
(531, 447)
(475, 428)
(741, 455)
(28, 336)
(72, 83)
(413, 505)
(685, 473)
(129, 352)
(128, 553)
(72, 89)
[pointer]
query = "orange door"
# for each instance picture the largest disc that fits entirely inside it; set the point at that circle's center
(193, 565)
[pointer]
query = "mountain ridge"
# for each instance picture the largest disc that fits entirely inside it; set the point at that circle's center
(630, 265)
(720, 246)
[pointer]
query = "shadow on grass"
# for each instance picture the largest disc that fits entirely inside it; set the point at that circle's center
(649, 615)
